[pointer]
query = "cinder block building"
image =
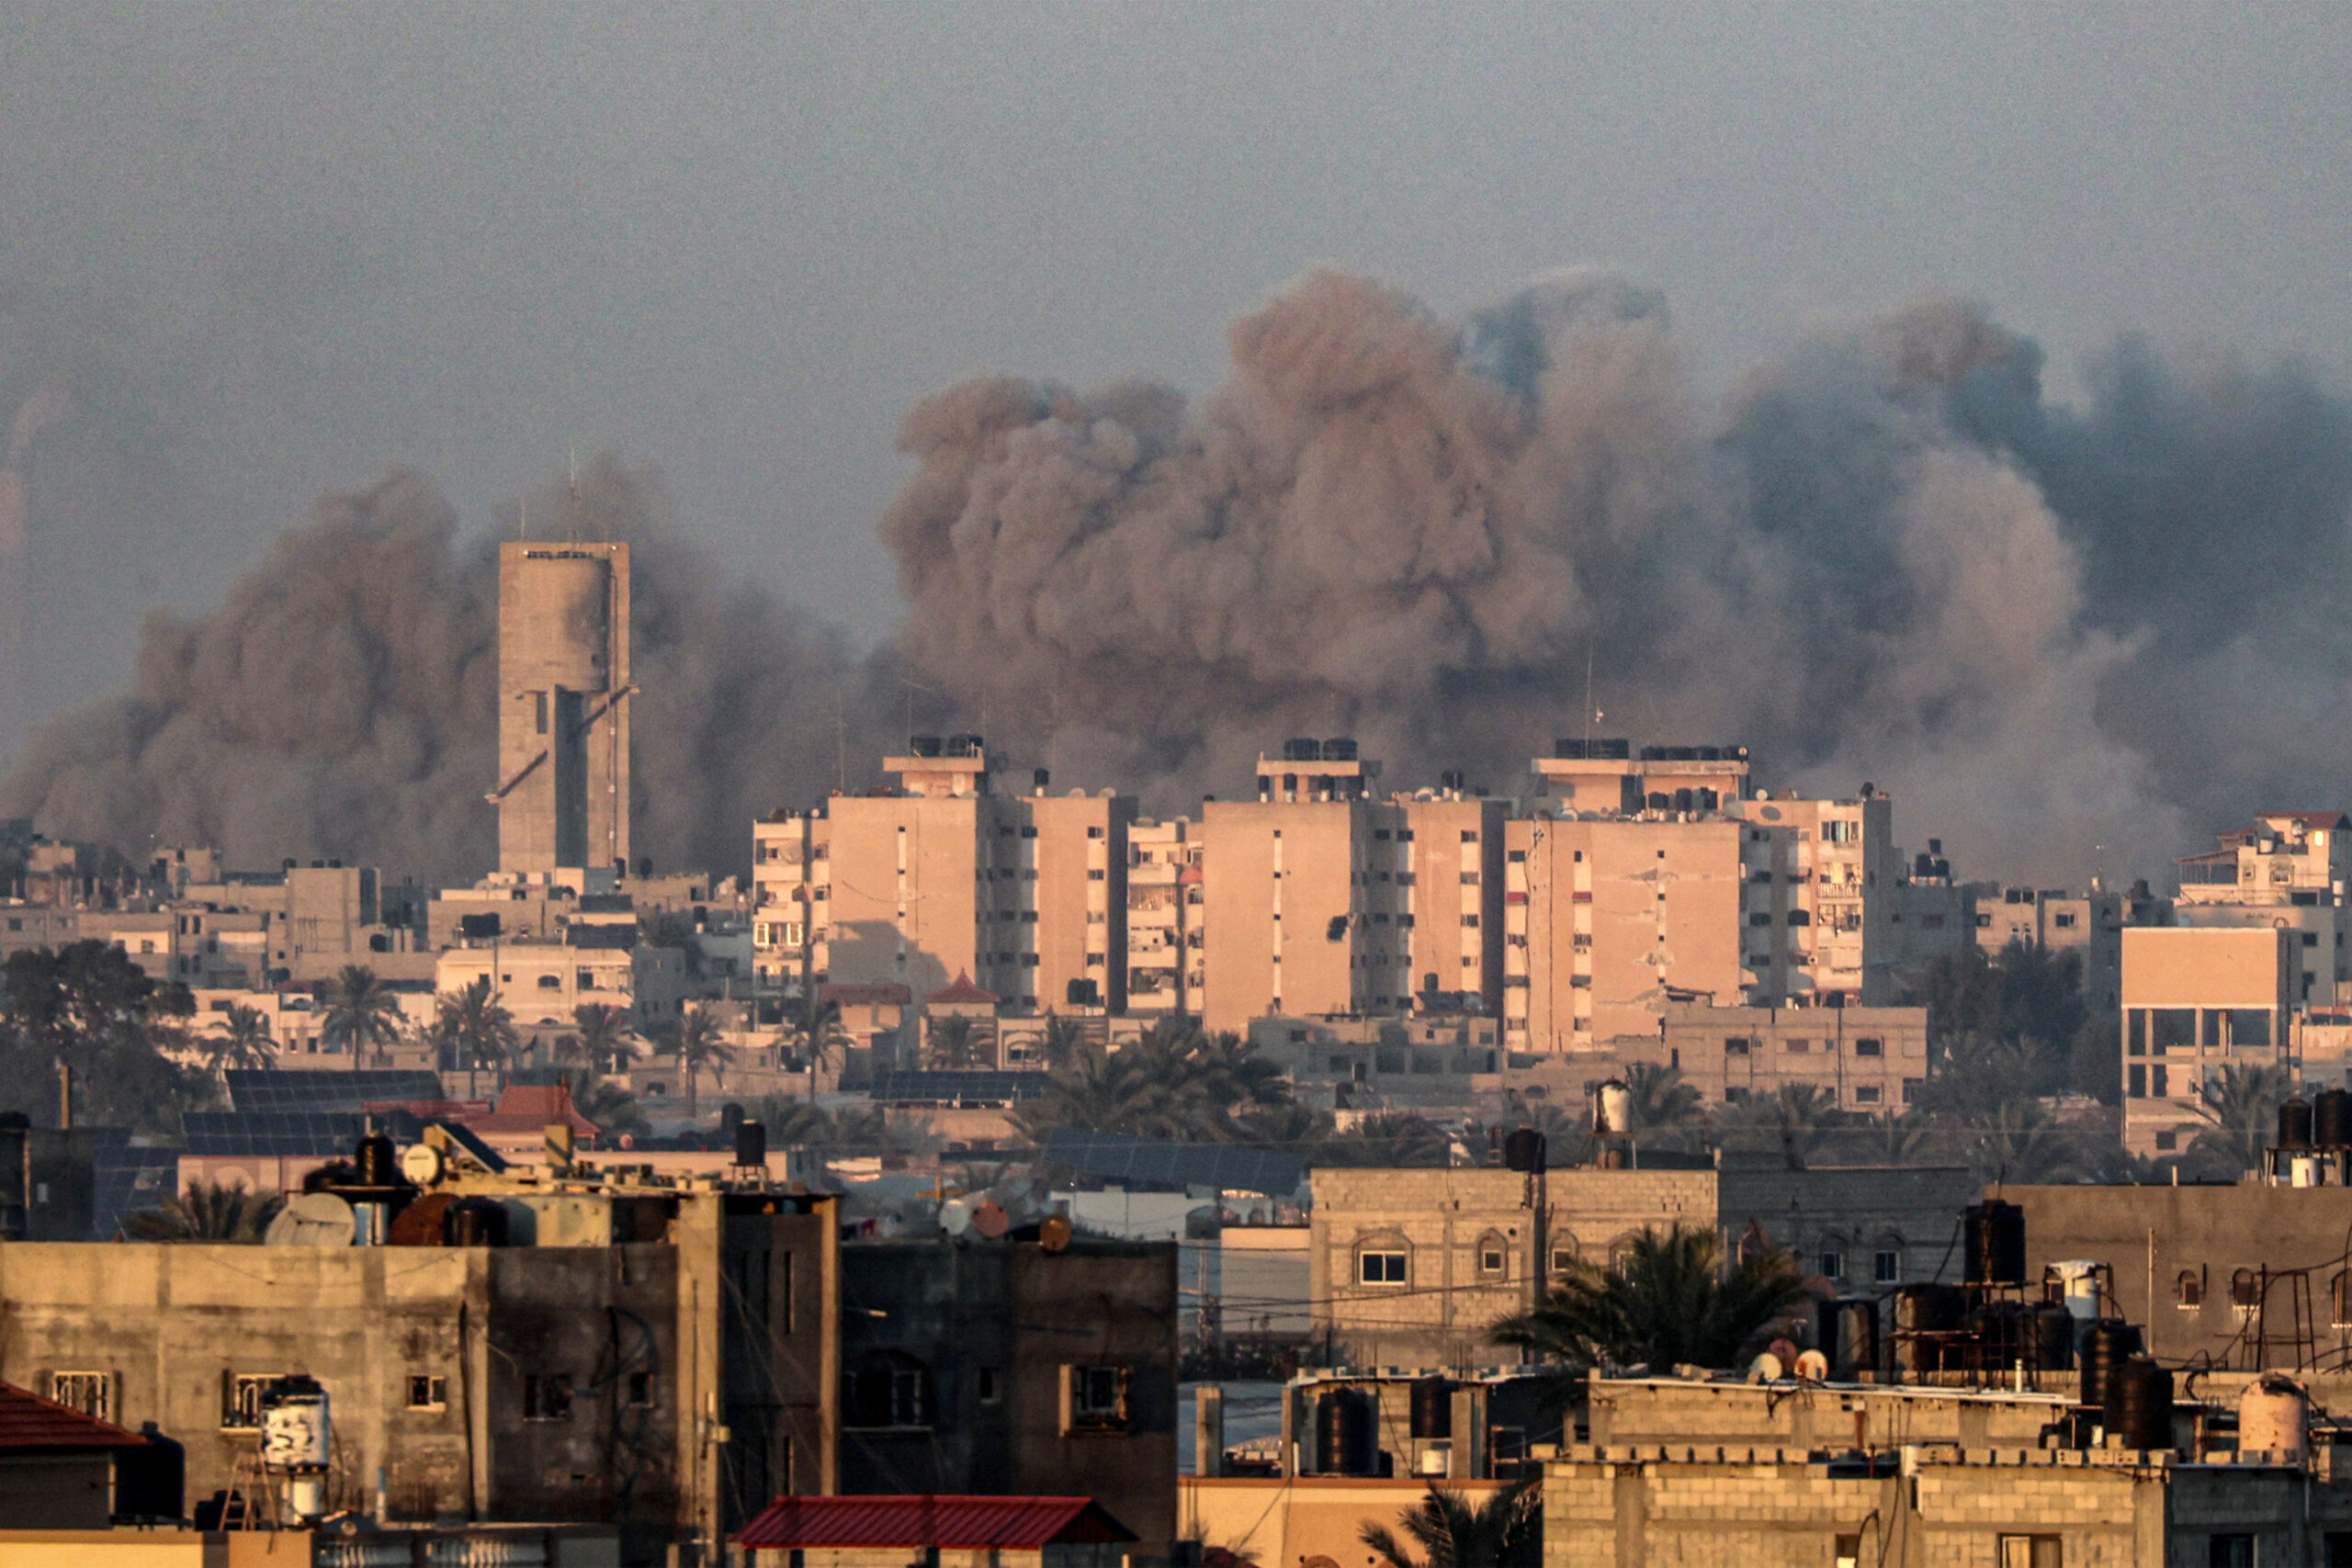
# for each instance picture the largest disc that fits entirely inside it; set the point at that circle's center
(2195, 1002)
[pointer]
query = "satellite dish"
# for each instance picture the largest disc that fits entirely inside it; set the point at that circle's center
(1766, 1368)
(955, 1216)
(991, 1221)
(315, 1219)
(1814, 1367)
(420, 1163)
(1054, 1233)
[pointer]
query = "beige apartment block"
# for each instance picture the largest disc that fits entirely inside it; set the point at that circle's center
(1820, 874)
(940, 877)
(1307, 896)
(1606, 921)
(1606, 776)
(2286, 872)
(1412, 1267)
(1167, 918)
(2196, 1000)
(563, 689)
(1454, 899)
(1873, 1060)
(542, 983)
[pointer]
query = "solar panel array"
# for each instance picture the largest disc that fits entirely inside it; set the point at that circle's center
(267, 1090)
(1116, 1156)
(127, 1180)
(268, 1132)
(967, 1089)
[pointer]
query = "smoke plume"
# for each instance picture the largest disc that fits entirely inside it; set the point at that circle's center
(2067, 640)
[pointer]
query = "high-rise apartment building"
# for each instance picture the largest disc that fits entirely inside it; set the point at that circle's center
(941, 877)
(1167, 918)
(1454, 899)
(1820, 876)
(1307, 892)
(563, 690)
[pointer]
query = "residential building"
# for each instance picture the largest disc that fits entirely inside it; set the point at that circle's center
(1455, 900)
(975, 1367)
(1930, 916)
(2287, 872)
(2196, 1000)
(1820, 928)
(564, 682)
(1309, 892)
(1422, 1063)
(1166, 919)
(1873, 1060)
(2089, 925)
(940, 877)
(1604, 777)
(543, 982)
(1606, 921)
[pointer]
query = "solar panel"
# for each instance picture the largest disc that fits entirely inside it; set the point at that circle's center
(127, 1180)
(266, 1133)
(1118, 1156)
(966, 1088)
(301, 1089)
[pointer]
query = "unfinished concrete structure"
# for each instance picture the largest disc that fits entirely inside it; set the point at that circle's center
(563, 690)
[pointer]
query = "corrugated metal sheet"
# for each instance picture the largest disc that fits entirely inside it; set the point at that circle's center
(945, 1521)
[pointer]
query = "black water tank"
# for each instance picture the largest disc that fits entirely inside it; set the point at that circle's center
(2139, 1405)
(1302, 748)
(1432, 1409)
(730, 1116)
(1523, 1149)
(1343, 1434)
(1995, 1237)
(2004, 1335)
(2053, 1338)
(474, 1221)
(2106, 1345)
(2295, 1124)
(151, 1481)
(379, 1166)
(750, 1144)
(1340, 749)
(1848, 1334)
(2331, 1119)
(1921, 1313)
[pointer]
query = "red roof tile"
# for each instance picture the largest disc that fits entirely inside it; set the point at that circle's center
(962, 990)
(529, 1108)
(1015, 1523)
(28, 1421)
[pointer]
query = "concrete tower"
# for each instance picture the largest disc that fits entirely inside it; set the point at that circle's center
(563, 690)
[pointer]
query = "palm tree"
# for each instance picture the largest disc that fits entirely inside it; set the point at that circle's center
(478, 1033)
(2023, 1143)
(206, 1213)
(818, 1032)
(1661, 1101)
(699, 1045)
(1665, 1302)
(1062, 1040)
(1902, 1137)
(242, 1041)
(2241, 1103)
(1505, 1530)
(606, 1042)
(362, 1015)
(1790, 1119)
(954, 1043)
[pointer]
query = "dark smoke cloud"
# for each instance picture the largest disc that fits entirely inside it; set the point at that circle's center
(342, 701)
(2068, 640)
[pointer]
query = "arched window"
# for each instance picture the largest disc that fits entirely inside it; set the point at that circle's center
(1833, 1258)
(887, 1388)
(2245, 1293)
(1494, 1257)
(1564, 1250)
(2188, 1290)
(1886, 1261)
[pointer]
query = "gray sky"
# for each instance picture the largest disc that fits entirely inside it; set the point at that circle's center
(737, 241)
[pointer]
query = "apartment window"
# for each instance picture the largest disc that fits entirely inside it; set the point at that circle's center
(2222, 1551)
(1097, 874)
(1735, 1046)
(2032, 1551)
(92, 1394)
(547, 1396)
(1097, 1399)
(1846, 1550)
(1562, 1259)
(240, 1399)
(2188, 1290)
(1984, 922)
(2171, 1029)
(1796, 1045)
(1911, 1088)
(1866, 1047)
(426, 1392)
(1381, 1267)
(1760, 917)
(2158, 1086)
(2136, 1082)
(2249, 1026)
(1469, 835)
(1491, 1256)
(1866, 1094)
(641, 1389)
(887, 1389)
(1470, 922)
(2063, 923)
(988, 1385)
(1469, 879)
(1886, 1265)
(539, 711)
(1516, 857)
(2167, 1142)
(1833, 1264)
(2246, 1289)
